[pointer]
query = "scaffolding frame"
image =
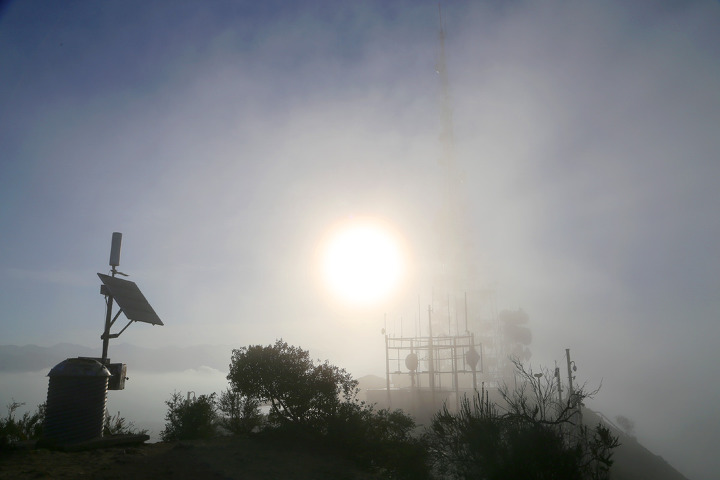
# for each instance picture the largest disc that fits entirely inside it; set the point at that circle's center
(436, 358)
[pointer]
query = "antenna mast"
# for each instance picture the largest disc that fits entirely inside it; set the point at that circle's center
(447, 137)
(454, 266)
(128, 297)
(114, 263)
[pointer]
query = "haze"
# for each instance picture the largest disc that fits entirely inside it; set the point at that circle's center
(224, 139)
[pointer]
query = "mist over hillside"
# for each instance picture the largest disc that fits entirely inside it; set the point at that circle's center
(153, 375)
(559, 157)
(31, 358)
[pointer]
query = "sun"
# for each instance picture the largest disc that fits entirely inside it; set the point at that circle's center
(362, 261)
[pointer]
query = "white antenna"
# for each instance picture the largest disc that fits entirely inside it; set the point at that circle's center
(115, 249)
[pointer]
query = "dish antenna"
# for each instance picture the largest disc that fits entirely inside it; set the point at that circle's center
(126, 294)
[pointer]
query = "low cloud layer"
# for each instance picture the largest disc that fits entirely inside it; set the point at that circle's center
(224, 139)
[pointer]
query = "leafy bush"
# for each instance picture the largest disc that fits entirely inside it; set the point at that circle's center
(382, 439)
(318, 403)
(28, 427)
(240, 413)
(117, 425)
(299, 392)
(189, 418)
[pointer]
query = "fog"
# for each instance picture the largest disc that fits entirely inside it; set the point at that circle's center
(142, 402)
(224, 139)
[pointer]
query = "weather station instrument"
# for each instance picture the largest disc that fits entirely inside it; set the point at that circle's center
(77, 390)
(130, 301)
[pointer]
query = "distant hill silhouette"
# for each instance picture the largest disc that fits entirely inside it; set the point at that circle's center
(632, 460)
(31, 358)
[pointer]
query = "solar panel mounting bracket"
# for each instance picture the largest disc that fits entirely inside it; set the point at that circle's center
(130, 301)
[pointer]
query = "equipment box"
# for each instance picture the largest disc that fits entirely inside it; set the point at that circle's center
(118, 371)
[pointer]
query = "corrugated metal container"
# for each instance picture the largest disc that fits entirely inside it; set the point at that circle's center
(77, 394)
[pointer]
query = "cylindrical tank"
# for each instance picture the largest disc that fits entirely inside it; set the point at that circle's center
(77, 394)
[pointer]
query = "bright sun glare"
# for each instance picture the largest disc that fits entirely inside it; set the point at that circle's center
(362, 262)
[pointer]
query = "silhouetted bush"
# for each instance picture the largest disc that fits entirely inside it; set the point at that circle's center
(27, 427)
(299, 392)
(117, 425)
(189, 418)
(240, 413)
(535, 436)
(381, 439)
(317, 404)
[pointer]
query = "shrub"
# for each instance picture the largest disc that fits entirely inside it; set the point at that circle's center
(536, 436)
(117, 425)
(318, 403)
(299, 392)
(28, 427)
(189, 418)
(241, 414)
(381, 439)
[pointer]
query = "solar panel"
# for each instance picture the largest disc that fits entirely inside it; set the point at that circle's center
(130, 299)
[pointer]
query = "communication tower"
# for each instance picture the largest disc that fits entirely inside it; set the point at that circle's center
(466, 337)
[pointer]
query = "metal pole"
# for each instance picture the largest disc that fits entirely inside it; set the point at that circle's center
(106, 334)
(387, 370)
(570, 377)
(455, 374)
(466, 314)
(431, 352)
(449, 316)
(108, 323)
(413, 372)
(474, 366)
(559, 383)
(560, 403)
(418, 327)
(571, 391)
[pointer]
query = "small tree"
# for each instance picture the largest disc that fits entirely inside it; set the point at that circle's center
(189, 418)
(27, 427)
(299, 392)
(528, 434)
(320, 402)
(240, 413)
(536, 403)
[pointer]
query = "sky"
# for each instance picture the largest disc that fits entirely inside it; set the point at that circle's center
(224, 139)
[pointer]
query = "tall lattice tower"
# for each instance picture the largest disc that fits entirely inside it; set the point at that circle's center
(460, 300)
(454, 271)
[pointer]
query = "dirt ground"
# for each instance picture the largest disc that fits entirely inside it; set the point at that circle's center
(219, 458)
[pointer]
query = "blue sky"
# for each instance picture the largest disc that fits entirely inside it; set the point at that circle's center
(223, 139)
